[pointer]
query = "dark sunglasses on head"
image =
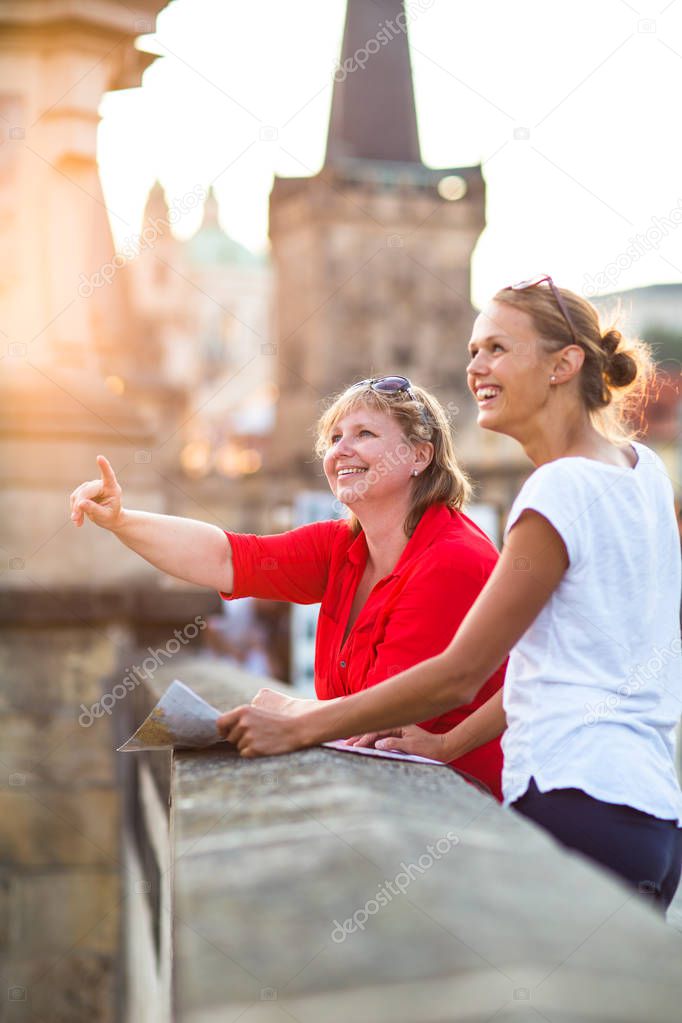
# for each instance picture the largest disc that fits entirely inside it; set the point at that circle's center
(394, 385)
(546, 279)
(388, 385)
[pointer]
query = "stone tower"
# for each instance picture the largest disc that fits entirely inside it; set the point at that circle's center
(371, 254)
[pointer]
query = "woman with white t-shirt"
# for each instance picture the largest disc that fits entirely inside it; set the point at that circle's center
(584, 598)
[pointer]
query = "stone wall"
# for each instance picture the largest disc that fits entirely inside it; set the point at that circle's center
(372, 277)
(329, 886)
(61, 880)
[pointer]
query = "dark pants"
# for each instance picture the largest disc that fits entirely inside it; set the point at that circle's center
(644, 851)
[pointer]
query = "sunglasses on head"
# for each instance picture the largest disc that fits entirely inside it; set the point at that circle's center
(391, 385)
(546, 279)
(388, 385)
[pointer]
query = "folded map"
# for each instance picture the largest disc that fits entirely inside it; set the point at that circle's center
(184, 720)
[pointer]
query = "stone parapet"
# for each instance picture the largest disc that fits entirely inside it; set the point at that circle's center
(328, 886)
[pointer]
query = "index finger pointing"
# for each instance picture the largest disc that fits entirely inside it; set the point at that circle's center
(106, 471)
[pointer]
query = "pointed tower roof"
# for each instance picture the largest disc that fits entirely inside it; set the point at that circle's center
(373, 112)
(156, 205)
(211, 245)
(211, 210)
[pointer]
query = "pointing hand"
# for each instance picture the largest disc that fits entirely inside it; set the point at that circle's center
(99, 499)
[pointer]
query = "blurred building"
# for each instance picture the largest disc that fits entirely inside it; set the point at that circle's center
(372, 254)
(205, 306)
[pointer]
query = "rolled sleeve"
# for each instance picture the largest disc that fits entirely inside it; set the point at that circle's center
(291, 566)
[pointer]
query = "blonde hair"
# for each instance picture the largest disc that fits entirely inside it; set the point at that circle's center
(617, 371)
(421, 418)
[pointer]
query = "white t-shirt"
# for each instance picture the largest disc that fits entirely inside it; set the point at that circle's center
(593, 690)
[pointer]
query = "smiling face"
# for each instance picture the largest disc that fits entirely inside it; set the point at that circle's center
(510, 369)
(369, 459)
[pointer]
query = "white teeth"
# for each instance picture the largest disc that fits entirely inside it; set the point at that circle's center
(349, 472)
(487, 392)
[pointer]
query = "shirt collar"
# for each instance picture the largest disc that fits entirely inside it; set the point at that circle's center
(357, 552)
(433, 522)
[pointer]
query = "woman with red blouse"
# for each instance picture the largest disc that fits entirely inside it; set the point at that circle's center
(394, 581)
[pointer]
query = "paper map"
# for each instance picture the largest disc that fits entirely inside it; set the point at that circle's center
(180, 720)
(184, 720)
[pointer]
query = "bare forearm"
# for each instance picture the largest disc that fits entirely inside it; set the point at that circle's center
(427, 690)
(194, 551)
(291, 706)
(300, 706)
(482, 726)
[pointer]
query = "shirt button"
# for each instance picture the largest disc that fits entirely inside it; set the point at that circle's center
(343, 664)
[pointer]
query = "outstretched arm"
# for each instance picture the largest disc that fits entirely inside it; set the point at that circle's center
(194, 551)
(529, 570)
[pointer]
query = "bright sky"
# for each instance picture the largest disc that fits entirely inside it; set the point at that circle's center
(597, 83)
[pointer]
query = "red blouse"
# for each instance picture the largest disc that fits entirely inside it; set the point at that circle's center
(410, 615)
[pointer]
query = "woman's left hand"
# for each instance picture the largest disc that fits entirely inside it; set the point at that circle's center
(419, 742)
(370, 738)
(259, 733)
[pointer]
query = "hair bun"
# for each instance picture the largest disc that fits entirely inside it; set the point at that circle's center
(610, 340)
(621, 369)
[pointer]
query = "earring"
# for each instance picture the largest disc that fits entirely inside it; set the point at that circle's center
(415, 472)
(552, 379)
